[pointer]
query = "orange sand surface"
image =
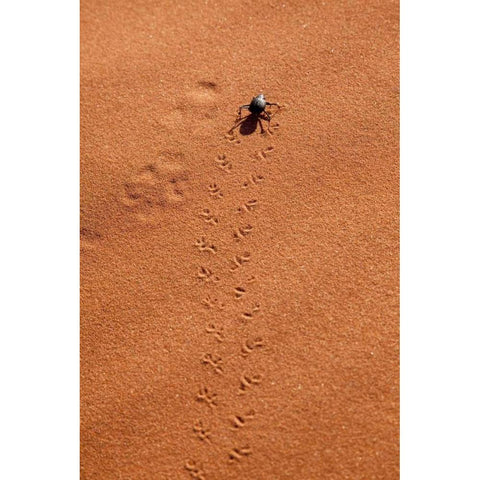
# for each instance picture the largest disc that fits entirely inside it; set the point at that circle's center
(239, 291)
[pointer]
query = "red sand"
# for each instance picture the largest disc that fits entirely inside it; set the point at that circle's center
(287, 309)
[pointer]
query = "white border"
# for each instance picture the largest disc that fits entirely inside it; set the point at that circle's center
(439, 240)
(39, 195)
(439, 237)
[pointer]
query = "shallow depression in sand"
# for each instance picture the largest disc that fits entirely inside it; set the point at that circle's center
(153, 188)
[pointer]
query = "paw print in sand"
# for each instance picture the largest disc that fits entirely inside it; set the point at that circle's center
(154, 188)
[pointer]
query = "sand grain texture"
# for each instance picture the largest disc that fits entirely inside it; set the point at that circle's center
(239, 293)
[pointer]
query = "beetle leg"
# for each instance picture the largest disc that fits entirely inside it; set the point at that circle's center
(262, 130)
(274, 105)
(268, 123)
(241, 108)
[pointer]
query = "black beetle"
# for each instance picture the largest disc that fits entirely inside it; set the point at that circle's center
(257, 106)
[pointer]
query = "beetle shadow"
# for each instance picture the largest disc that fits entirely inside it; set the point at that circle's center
(248, 125)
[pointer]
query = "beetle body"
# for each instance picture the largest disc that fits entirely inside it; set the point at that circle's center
(257, 108)
(258, 104)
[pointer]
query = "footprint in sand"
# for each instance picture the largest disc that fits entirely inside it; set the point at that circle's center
(197, 109)
(203, 94)
(154, 188)
(89, 238)
(200, 108)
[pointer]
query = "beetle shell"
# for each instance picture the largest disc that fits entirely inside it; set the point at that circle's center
(258, 104)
